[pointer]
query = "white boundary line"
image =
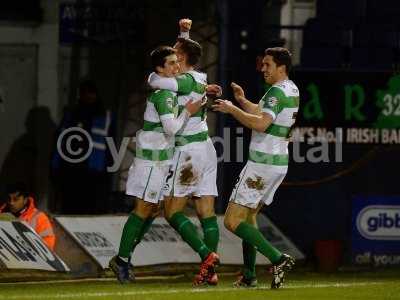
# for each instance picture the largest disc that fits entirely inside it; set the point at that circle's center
(188, 290)
(138, 280)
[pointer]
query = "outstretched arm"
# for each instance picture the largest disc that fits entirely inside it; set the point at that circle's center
(247, 105)
(259, 122)
(185, 83)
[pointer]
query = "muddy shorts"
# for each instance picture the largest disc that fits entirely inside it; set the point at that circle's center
(257, 182)
(146, 179)
(193, 171)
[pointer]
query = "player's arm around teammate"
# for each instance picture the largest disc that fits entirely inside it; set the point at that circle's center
(185, 84)
(154, 150)
(193, 173)
(166, 108)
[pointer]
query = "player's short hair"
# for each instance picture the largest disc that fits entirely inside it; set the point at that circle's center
(159, 54)
(281, 56)
(192, 49)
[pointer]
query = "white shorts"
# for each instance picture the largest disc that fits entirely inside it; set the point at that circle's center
(257, 183)
(193, 171)
(146, 179)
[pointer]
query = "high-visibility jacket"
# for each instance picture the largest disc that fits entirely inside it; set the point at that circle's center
(38, 220)
(102, 127)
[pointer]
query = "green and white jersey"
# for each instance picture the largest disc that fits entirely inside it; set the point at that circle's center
(190, 85)
(281, 101)
(195, 129)
(152, 142)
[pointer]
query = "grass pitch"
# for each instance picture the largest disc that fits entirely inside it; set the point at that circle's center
(382, 285)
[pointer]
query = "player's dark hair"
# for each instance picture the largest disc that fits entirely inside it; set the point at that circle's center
(192, 49)
(281, 56)
(159, 55)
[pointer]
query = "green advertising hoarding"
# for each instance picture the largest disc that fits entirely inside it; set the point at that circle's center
(348, 107)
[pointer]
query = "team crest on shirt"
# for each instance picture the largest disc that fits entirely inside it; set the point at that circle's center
(170, 102)
(272, 101)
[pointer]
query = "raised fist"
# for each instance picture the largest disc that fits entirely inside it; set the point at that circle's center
(185, 25)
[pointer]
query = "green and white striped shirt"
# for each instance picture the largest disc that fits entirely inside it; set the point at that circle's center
(152, 142)
(281, 101)
(190, 85)
(195, 129)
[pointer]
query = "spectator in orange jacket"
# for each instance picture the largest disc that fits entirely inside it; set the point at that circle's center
(22, 206)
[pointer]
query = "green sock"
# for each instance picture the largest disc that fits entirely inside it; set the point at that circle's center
(254, 237)
(188, 232)
(130, 235)
(146, 226)
(249, 260)
(211, 232)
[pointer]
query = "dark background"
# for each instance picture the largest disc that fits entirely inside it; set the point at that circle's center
(347, 42)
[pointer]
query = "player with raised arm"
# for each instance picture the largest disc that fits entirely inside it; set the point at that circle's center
(193, 173)
(155, 146)
(270, 120)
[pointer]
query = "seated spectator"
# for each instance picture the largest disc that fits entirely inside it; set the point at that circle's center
(22, 206)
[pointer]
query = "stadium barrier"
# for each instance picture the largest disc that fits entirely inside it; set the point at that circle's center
(85, 244)
(23, 253)
(99, 237)
(79, 261)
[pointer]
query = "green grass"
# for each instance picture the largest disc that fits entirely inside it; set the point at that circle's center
(383, 285)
